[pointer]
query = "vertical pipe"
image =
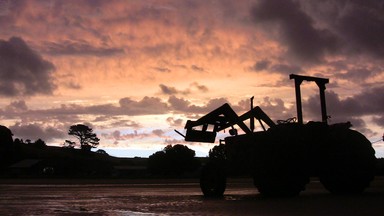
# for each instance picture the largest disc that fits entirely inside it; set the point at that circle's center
(322, 101)
(298, 101)
(252, 119)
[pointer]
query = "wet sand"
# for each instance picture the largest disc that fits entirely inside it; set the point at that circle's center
(175, 197)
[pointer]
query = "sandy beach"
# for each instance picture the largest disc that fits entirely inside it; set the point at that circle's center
(175, 197)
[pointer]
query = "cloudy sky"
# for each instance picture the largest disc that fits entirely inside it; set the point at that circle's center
(136, 70)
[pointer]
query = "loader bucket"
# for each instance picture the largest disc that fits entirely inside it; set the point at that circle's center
(200, 136)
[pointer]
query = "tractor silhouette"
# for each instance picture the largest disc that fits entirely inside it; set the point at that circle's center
(283, 156)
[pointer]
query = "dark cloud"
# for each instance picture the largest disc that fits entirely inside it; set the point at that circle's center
(168, 90)
(17, 106)
(80, 48)
(370, 102)
(154, 51)
(358, 72)
(261, 65)
(118, 136)
(336, 107)
(174, 122)
(158, 132)
(4, 8)
(276, 108)
(379, 121)
(295, 28)
(36, 131)
(197, 68)
(358, 24)
(284, 69)
(72, 85)
(124, 123)
(126, 106)
(201, 88)
(162, 69)
(214, 103)
(311, 29)
(70, 113)
(346, 35)
(179, 104)
(23, 71)
(146, 106)
(184, 106)
(115, 121)
(143, 13)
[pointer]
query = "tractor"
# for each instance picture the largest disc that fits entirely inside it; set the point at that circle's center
(283, 156)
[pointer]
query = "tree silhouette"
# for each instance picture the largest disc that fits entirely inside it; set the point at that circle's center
(85, 135)
(218, 153)
(173, 160)
(69, 144)
(39, 144)
(7, 150)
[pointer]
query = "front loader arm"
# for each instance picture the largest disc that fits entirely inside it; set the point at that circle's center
(222, 118)
(259, 114)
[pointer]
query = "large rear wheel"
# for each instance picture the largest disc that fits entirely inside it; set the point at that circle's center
(347, 162)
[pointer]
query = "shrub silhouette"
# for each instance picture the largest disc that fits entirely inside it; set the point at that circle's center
(173, 160)
(39, 144)
(218, 153)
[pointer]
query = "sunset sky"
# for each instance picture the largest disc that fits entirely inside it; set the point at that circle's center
(136, 70)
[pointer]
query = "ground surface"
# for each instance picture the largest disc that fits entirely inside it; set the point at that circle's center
(173, 197)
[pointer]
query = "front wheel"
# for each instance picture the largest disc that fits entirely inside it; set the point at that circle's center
(213, 180)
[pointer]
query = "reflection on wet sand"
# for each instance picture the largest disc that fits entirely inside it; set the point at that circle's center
(185, 198)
